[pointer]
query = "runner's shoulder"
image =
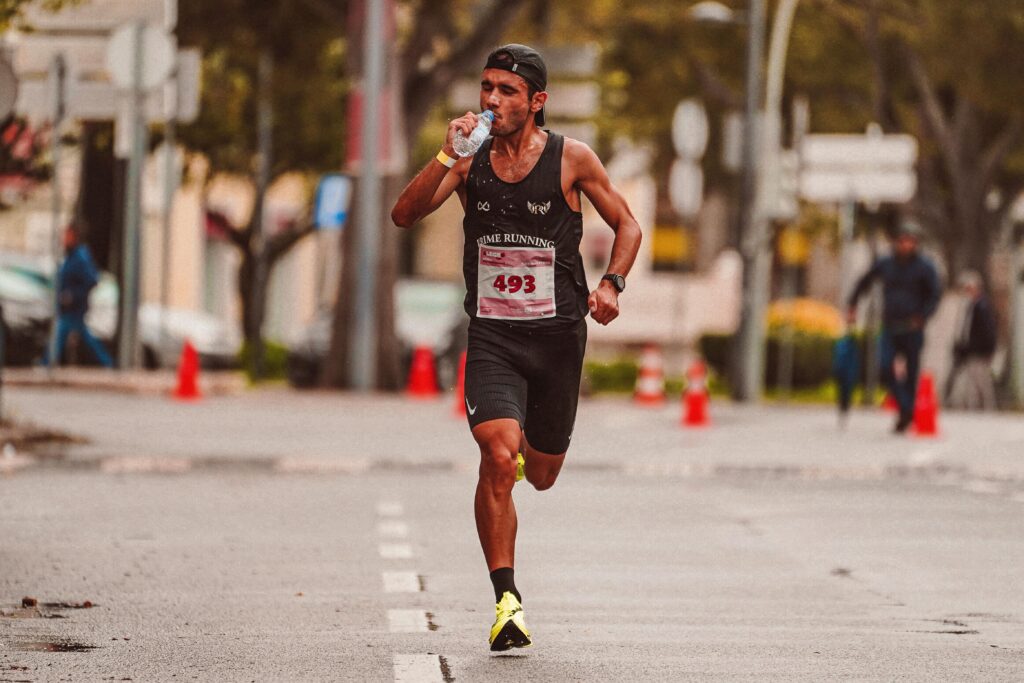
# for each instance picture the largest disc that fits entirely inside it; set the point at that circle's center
(579, 156)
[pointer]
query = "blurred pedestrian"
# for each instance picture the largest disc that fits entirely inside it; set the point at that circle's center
(911, 291)
(973, 348)
(75, 280)
(527, 295)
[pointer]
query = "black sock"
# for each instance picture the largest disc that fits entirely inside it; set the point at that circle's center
(503, 580)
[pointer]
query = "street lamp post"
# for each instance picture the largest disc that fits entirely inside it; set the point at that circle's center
(761, 151)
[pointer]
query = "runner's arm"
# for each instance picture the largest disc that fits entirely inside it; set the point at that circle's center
(593, 181)
(436, 182)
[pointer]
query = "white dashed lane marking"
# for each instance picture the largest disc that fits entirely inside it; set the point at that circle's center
(419, 669)
(401, 582)
(388, 508)
(408, 621)
(393, 529)
(396, 551)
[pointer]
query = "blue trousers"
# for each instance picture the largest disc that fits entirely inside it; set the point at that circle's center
(907, 345)
(75, 322)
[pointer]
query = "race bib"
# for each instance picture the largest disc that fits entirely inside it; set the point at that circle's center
(516, 283)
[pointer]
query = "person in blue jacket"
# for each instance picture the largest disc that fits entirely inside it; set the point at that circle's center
(75, 279)
(911, 290)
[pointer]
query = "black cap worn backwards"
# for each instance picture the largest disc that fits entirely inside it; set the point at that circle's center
(524, 62)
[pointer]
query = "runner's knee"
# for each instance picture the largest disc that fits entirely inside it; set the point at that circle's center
(498, 460)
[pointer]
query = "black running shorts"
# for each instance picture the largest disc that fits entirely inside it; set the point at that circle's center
(529, 375)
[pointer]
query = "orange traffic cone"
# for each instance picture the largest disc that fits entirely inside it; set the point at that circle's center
(650, 382)
(460, 388)
(926, 408)
(889, 404)
(422, 375)
(695, 396)
(188, 374)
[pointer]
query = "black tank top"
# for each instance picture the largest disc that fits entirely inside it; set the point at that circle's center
(521, 259)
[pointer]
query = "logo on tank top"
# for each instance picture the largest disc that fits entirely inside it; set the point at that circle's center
(483, 206)
(539, 208)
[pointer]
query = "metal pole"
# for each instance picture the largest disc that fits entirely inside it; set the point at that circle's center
(363, 369)
(265, 135)
(757, 239)
(748, 192)
(59, 75)
(170, 187)
(128, 356)
(1017, 328)
(872, 362)
(846, 224)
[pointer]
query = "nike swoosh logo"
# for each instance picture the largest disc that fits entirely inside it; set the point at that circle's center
(471, 409)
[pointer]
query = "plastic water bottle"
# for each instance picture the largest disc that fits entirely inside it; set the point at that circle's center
(467, 147)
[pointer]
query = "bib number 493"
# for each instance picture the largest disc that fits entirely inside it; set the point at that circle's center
(515, 283)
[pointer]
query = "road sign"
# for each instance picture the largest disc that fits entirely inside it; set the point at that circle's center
(859, 151)
(861, 186)
(158, 53)
(863, 168)
(97, 99)
(686, 187)
(690, 129)
(333, 196)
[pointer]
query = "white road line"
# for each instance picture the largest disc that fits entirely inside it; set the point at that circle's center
(418, 669)
(407, 621)
(401, 582)
(387, 508)
(393, 529)
(982, 486)
(145, 464)
(396, 551)
(314, 465)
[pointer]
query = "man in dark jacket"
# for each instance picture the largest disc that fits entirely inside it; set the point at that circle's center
(973, 348)
(911, 291)
(75, 279)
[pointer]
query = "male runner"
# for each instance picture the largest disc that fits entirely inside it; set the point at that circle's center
(527, 295)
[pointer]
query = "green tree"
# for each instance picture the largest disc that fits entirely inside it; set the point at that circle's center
(274, 79)
(11, 11)
(947, 73)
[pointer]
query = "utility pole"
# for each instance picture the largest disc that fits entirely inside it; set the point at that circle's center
(741, 358)
(363, 369)
(58, 76)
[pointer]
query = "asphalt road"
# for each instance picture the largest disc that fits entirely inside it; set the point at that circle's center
(276, 537)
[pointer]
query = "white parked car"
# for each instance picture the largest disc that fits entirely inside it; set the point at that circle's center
(28, 283)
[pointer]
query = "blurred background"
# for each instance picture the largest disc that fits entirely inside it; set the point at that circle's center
(214, 151)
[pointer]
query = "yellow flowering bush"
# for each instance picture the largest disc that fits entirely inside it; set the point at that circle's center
(806, 317)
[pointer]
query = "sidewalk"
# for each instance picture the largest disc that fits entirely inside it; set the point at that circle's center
(297, 431)
(151, 382)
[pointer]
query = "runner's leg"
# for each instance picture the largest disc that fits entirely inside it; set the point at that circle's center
(496, 521)
(541, 468)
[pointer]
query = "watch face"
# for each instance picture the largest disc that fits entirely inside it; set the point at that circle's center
(617, 281)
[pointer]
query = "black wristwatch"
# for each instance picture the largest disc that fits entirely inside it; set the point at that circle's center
(618, 282)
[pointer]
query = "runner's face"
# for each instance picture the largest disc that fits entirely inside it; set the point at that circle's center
(507, 95)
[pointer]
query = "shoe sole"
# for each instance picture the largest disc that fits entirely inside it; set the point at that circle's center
(510, 637)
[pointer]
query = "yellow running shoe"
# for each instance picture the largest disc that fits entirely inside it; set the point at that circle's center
(520, 464)
(509, 628)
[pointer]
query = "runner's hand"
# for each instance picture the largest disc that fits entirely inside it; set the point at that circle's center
(604, 303)
(464, 123)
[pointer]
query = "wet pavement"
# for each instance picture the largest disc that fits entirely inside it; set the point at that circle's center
(280, 537)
